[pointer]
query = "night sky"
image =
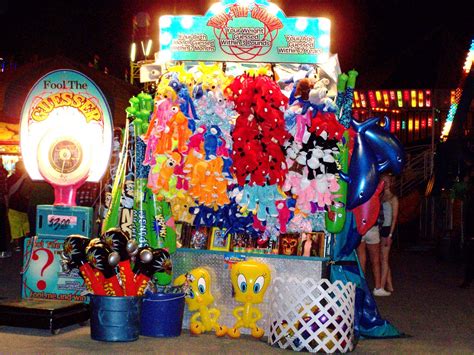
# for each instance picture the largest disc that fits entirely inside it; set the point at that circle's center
(393, 44)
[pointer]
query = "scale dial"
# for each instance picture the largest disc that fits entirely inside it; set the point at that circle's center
(63, 160)
(65, 156)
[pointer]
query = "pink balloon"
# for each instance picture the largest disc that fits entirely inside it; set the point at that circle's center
(366, 214)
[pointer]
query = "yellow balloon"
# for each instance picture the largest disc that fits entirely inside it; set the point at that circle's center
(250, 280)
(199, 300)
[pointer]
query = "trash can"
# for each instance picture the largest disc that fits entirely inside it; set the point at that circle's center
(115, 318)
(162, 314)
(312, 315)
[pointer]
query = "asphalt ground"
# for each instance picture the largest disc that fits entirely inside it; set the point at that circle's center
(436, 316)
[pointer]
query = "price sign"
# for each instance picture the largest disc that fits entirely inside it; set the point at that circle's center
(57, 222)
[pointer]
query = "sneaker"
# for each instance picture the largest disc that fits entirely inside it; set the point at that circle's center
(5, 254)
(381, 292)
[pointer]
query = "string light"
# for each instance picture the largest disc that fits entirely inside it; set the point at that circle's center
(457, 94)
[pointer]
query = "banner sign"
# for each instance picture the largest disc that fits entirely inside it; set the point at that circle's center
(42, 274)
(245, 31)
(66, 113)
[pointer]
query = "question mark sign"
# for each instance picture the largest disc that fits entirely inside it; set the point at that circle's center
(41, 284)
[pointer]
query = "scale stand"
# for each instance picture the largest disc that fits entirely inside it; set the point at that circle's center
(43, 314)
(50, 299)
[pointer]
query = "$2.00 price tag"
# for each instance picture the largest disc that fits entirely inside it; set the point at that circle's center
(61, 222)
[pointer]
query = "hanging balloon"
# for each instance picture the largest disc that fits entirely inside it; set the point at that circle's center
(366, 214)
(387, 148)
(363, 173)
(336, 214)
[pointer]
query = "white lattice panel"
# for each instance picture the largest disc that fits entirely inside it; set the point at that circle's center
(312, 315)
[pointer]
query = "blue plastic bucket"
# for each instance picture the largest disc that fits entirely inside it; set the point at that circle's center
(162, 314)
(115, 318)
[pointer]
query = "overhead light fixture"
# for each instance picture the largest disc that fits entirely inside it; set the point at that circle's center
(133, 52)
(148, 47)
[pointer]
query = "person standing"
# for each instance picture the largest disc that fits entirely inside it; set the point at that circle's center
(371, 242)
(5, 236)
(18, 198)
(390, 218)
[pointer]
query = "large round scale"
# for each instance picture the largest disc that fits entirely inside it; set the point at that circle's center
(65, 156)
(65, 163)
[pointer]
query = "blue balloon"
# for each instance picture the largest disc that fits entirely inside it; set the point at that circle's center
(363, 174)
(387, 148)
(375, 150)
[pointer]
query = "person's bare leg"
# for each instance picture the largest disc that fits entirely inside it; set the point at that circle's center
(374, 254)
(361, 254)
(389, 279)
(385, 281)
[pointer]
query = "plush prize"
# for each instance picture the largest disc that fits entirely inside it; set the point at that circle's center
(207, 184)
(303, 87)
(162, 175)
(197, 139)
(326, 122)
(162, 113)
(284, 214)
(318, 96)
(311, 94)
(259, 127)
(185, 102)
(212, 141)
(175, 135)
(180, 206)
(261, 199)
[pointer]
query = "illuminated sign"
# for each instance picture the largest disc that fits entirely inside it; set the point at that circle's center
(249, 31)
(66, 129)
(41, 110)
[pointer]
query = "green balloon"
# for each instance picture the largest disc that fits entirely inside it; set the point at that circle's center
(143, 115)
(336, 215)
(131, 111)
(137, 123)
(148, 102)
(341, 82)
(352, 78)
(145, 126)
(135, 102)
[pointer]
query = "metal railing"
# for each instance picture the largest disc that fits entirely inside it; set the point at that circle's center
(418, 168)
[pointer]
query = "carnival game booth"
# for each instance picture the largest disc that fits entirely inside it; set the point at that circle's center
(247, 168)
(244, 180)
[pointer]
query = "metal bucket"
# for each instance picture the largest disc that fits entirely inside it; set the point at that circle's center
(115, 318)
(162, 314)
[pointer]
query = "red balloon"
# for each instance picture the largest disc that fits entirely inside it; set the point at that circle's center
(366, 214)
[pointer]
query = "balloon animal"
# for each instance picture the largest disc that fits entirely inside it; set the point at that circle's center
(198, 300)
(250, 279)
(375, 151)
(387, 148)
(366, 214)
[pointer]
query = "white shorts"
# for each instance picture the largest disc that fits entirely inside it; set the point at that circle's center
(372, 236)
